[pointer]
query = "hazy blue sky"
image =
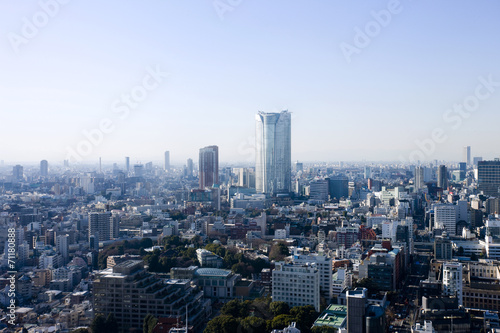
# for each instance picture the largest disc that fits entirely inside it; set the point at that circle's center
(224, 66)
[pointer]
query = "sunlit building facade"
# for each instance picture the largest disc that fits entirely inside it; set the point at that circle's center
(273, 153)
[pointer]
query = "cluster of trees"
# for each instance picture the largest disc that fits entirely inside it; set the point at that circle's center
(261, 315)
(110, 325)
(368, 284)
(135, 246)
(238, 262)
(279, 251)
(176, 253)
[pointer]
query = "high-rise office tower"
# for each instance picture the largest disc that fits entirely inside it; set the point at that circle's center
(319, 189)
(103, 226)
(62, 246)
(298, 166)
(138, 170)
(127, 164)
(356, 307)
(273, 153)
(445, 216)
(488, 177)
(190, 167)
(442, 177)
(44, 168)
(339, 187)
(209, 166)
(419, 177)
(167, 160)
(368, 172)
(466, 157)
(17, 172)
(462, 166)
(476, 159)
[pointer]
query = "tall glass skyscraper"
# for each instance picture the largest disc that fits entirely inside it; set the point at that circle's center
(209, 166)
(273, 153)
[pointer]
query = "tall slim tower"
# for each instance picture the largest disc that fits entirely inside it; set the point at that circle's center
(273, 152)
(442, 176)
(209, 166)
(419, 177)
(127, 164)
(44, 168)
(190, 167)
(466, 157)
(17, 172)
(167, 160)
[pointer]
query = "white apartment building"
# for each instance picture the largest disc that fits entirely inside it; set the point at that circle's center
(445, 217)
(453, 280)
(492, 248)
(324, 265)
(296, 284)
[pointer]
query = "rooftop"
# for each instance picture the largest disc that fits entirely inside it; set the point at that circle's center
(212, 272)
(334, 316)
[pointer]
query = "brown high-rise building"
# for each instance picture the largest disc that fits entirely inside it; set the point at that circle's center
(209, 166)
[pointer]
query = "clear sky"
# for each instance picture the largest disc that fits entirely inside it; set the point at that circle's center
(228, 59)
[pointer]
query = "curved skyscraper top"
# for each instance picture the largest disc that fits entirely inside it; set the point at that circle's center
(273, 162)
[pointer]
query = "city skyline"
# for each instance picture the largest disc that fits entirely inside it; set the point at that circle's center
(354, 96)
(249, 166)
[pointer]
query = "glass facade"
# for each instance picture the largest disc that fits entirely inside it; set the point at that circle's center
(489, 177)
(273, 153)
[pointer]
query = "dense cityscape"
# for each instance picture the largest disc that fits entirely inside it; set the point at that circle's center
(277, 246)
(236, 166)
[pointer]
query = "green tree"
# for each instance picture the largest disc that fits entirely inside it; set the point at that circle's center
(305, 316)
(368, 284)
(279, 308)
(253, 325)
(460, 251)
(245, 308)
(279, 252)
(222, 324)
(146, 243)
(217, 249)
(111, 324)
(98, 325)
(231, 308)
(281, 321)
(172, 241)
(149, 323)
